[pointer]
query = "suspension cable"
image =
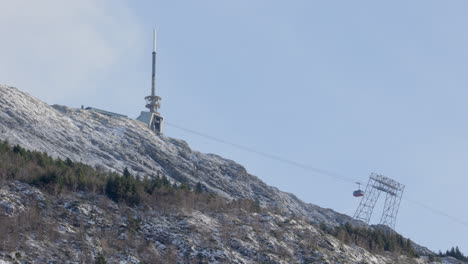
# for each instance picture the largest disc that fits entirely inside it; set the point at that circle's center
(269, 156)
(315, 170)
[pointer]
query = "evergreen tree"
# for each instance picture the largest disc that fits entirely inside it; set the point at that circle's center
(100, 259)
(69, 162)
(199, 188)
(113, 188)
(454, 252)
(165, 182)
(126, 173)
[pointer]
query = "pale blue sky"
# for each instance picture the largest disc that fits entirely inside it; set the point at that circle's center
(349, 86)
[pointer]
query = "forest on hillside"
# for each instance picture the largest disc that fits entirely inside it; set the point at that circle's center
(59, 177)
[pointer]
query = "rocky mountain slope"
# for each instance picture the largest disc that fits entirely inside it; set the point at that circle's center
(76, 228)
(115, 143)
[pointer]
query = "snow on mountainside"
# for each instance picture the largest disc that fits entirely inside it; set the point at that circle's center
(116, 143)
(77, 227)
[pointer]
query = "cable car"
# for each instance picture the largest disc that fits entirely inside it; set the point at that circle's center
(358, 192)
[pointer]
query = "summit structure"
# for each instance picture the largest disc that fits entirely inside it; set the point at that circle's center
(153, 118)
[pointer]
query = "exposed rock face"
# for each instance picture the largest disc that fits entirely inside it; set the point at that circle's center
(75, 228)
(115, 143)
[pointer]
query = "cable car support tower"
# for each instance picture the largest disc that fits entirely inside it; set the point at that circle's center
(376, 185)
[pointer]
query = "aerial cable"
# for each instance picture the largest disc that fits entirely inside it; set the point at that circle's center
(437, 212)
(269, 156)
(310, 168)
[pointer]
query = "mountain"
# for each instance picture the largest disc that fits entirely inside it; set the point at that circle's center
(115, 143)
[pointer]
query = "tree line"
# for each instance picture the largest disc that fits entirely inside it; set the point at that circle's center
(374, 240)
(57, 176)
(454, 252)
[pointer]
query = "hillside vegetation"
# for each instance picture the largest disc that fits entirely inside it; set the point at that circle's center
(63, 178)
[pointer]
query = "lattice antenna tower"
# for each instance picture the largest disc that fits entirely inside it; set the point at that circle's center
(153, 118)
(376, 185)
(153, 101)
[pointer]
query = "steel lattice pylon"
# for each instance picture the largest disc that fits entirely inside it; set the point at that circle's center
(393, 192)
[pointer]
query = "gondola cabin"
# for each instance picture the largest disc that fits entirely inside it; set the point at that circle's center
(358, 193)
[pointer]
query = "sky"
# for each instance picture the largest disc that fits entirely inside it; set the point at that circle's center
(352, 87)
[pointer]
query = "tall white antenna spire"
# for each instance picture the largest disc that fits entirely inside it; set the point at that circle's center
(153, 99)
(153, 102)
(154, 40)
(153, 76)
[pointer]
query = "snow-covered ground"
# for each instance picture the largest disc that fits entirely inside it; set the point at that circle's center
(75, 228)
(115, 143)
